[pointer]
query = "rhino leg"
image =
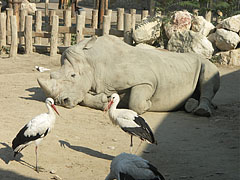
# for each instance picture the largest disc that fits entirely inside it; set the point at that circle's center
(209, 83)
(97, 101)
(140, 98)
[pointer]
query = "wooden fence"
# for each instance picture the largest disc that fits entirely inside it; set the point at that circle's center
(31, 30)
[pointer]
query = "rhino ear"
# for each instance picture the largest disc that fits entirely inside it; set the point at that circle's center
(90, 43)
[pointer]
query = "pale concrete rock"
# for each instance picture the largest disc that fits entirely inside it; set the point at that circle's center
(201, 25)
(226, 40)
(148, 31)
(29, 7)
(190, 41)
(180, 21)
(231, 23)
(231, 57)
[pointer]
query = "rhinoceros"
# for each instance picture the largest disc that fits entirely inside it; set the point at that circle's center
(145, 79)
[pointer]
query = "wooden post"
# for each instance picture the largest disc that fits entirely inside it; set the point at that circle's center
(101, 12)
(54, 36)
(38, 26)
(79, 29)
(28, 35)
(9, 14)
(133, 18)
(83, 13)
(144, 14)
(46, 11)
(127, 28)
(94, 18)
(208, 15)
(68, 23)
(106, 4)
(16, 7)
(23, 15)
(120, 19)
(14, 39)
(109, 14)
(106, 25)
(3, 21)
(51, 14)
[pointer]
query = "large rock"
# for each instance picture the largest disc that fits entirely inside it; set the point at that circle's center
(201, 25)
(29, 7)
(190, 41)
(180, 21)
(148, 31)
(226, 40)
(231, 23)
(231, 57)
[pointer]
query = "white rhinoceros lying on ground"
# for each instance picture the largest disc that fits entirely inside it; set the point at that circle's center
(146, 79)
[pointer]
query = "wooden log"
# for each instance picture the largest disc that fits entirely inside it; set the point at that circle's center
(28, 35)
(94, 18)
(3, 21)
(23, 15)
(54, 36)
(144, 14)
(133, 18)
(9, 14)
(84, 16)
(67, 22)
(46, 11)
(106, 25)
(14, 39)
(109, 14)
(51, 14)
(80, 23)
(120, 18)
(38, 26)
(16, 9)
(127, 28)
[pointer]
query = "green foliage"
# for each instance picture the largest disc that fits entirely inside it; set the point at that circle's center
(73, 39)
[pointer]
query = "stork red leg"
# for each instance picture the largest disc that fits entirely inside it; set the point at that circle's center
(36, 158)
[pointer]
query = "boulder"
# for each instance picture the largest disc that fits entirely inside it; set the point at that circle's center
(189, 41)
(226, 40)
(201, 25)
(148, 31)
(231, 57)
(29, 7)
(180, 21)
(231, 23)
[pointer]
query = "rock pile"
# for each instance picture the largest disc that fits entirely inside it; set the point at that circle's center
(192, 33)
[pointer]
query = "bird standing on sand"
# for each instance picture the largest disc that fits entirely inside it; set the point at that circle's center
(35, 130)
(129, 121)
(131, 167)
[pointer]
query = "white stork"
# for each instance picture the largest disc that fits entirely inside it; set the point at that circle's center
(131, 167)
(35, 130)
(129, 121)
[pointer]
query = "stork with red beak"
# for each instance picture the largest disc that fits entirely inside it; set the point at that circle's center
(129, 121)
(35, 130)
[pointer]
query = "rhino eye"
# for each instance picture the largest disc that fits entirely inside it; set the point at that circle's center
(73, 75)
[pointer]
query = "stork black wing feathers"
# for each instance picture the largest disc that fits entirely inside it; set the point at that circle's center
(155, 171)
(124, 176)
(144, 131)
(22, 139)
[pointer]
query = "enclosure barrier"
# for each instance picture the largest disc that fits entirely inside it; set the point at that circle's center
(31, 30)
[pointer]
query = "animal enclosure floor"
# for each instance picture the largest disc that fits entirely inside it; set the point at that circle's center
(83, 142)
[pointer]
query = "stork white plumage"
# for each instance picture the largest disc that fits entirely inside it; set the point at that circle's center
(129, 121)
(131, 167)
(35, 130)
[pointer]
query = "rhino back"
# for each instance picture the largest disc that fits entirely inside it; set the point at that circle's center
(118, 66)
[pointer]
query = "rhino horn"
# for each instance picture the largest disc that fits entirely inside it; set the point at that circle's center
(48, 87)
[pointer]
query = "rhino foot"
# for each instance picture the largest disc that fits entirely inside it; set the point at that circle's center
(203, 111)
(191, 105)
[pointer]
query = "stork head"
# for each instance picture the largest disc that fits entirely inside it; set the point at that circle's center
(113, 100)
(50, 102)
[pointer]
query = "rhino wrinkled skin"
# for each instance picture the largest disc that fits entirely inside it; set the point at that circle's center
(146, 79)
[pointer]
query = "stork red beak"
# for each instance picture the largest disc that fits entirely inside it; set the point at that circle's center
(108, 106)
(53, 106)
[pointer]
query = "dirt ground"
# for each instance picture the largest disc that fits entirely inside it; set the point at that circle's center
(83, 142)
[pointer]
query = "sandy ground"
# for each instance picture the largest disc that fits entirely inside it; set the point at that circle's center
(83, 142)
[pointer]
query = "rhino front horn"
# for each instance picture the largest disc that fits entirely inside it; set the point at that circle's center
(47, 87)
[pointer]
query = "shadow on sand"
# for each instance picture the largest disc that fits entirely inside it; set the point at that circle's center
(86, 150)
